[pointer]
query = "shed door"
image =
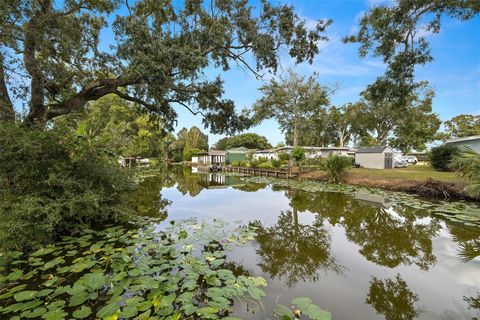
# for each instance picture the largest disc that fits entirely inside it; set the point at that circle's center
(388, 160)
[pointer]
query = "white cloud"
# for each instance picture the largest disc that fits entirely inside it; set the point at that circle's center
(375, 3)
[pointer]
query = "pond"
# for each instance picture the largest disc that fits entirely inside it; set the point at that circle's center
(358, 253)
(361, 256)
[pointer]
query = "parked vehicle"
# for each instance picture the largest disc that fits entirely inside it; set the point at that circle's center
(400, 162)
(412, 159)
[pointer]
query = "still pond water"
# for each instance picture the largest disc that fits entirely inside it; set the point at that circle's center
(358, 255)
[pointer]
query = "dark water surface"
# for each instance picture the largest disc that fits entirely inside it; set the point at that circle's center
(359, 256)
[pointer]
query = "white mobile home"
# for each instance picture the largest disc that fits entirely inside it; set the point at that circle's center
(375, 158)
(472, 142)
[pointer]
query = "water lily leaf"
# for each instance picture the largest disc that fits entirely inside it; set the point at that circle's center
(302, 302)
(128, 312)
(207, 311)
(35, 313)
(82, 313)
(282, 311)
(43, 293)
(57, 314)
(94, 280)
(316, 313)
(53, 263)
(15, 275)
(256, 293)
(78, 299)
(42, 252)
(25, 295)
(108, 310)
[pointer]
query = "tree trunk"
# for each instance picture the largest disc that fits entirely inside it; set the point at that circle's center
(6, 107)
(295, 133)
(342, 139)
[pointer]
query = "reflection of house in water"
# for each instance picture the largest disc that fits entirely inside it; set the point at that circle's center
(374, 200)
(218, 181)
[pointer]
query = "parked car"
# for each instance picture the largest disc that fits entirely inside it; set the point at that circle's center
(412, 159)
(399, 162)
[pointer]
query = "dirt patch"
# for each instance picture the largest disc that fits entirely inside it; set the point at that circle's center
(429, 188)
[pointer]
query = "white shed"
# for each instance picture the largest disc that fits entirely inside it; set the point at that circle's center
(375, 158)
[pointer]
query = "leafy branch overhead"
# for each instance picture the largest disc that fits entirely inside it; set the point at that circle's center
(50, 54)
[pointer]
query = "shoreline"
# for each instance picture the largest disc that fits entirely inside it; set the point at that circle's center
(428, 188)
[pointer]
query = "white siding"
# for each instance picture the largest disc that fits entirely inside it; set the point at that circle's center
(370, 160)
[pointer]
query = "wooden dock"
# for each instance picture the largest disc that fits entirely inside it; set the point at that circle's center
(256, 172)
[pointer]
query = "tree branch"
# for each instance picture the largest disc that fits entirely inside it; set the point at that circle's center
(6, 106)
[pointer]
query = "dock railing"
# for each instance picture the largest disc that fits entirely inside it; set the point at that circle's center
(259, 172)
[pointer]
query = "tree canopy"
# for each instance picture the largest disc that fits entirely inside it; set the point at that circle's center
(291, 101)
(463, 125)
(52, 59)
(247, 140)
(188, 142)
(118, 126)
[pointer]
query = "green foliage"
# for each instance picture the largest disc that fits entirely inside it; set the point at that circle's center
(247, 140)
(239, 163)
(265, 165)
(458, 212)
(291, 101)
(192, 139)
(440, 157)
(152, 272)
(59, 47)
(53, 183)
(303, 306)
(409, 118)
(336, 166)
(189, 152)
(298, 154)
(283, 156)
(394, 32)
(463, 125)
(119, 126)
(467, 164)
(276, 163)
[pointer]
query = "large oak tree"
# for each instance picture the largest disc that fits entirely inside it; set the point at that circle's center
(54, 58)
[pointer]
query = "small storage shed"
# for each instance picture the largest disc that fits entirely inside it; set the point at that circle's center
(375, 158)
(237, 154)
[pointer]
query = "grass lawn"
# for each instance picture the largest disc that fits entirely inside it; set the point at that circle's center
(415, 172)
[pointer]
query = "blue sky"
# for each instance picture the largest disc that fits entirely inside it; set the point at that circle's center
(454, 73)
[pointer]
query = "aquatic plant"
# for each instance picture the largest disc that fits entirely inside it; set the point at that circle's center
(152, 272)
(459, 211)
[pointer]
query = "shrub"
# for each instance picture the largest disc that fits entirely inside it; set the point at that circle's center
(53, 183)
(467, 164)
(239, 163)
(188, 153)
(283, 156)
(298, 154)
(336, 167)
(276, 163)
(440, 157)
(265, 165)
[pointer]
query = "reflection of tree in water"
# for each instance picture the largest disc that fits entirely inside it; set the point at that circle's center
(387, 237)
(468, 240)
(390, 238)
(187, 182)
(393, 299)
(473, 302)
(147, 200)
(250, 187)
(294, 251)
